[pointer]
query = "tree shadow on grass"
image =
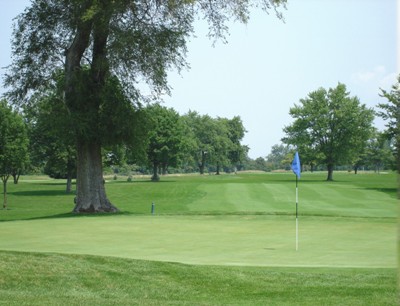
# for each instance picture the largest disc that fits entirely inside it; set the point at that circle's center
(304, 181)
(38, 193)
(55, 184)
(140, 182)
(390, 191)
(75, 216)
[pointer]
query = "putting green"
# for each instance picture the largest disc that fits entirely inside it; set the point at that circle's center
(217, 240)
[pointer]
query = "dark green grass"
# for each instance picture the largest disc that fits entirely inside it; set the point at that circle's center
(362, 195)
(44, 279)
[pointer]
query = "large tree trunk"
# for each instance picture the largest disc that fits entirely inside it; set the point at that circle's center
(91, 195)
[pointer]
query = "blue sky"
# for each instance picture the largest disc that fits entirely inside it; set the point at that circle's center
(268, 65)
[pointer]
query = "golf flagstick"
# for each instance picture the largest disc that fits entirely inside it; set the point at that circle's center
(297, 215)
(296, 168)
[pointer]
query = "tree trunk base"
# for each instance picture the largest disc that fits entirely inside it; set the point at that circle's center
(90, 190)
(155, 178)
(92, 209)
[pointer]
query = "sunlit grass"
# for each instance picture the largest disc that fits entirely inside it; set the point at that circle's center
(235, 235)
(54, 279)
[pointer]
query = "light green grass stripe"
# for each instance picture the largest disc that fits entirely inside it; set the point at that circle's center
(345, 200)
(225, 240)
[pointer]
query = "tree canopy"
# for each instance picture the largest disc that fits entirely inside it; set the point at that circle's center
(166, 139)
(330, 126)
(390, 112)
(13, 144)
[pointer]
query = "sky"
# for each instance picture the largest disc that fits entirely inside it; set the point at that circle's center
(268, 65)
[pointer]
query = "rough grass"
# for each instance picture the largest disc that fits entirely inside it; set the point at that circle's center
(55, 279)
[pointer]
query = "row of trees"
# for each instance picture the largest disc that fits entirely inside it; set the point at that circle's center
(378, 154)
(192, 141)
(162, 139)
(331, 129)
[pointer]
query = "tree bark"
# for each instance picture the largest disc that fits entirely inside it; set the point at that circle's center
(202, 162)
(5, 179)
(330, 172)
(155, 177)
(68, 188)
(70, 172)
(164, 169)
(16, 174)
(201, 168)
(91, 195)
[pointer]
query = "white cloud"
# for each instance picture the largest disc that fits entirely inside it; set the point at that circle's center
(367, 76)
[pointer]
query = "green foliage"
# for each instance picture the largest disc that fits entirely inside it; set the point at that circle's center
(105, 48)
(236, 132)
(118, 120)
(13, 140)
(13, 145)
(51, 134)
(330, 127)
(277, 159)
(167, 139)
(390, 112)
(217, 141)
(379, 153)
(144, 39)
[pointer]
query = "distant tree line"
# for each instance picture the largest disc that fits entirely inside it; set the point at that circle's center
(161, 140)
(331, 130)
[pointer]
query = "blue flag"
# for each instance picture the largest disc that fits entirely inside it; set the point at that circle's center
(296, 167)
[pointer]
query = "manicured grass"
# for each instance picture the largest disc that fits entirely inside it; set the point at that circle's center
(55, 279)
(216, 240)
(362, 195)
(218, 226)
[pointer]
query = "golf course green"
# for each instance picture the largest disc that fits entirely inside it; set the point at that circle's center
(237, 225)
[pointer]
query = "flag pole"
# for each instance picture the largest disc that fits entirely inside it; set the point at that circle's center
(297, 215)
(296, 167)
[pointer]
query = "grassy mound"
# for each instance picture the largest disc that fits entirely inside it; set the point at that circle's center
(55, 279)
